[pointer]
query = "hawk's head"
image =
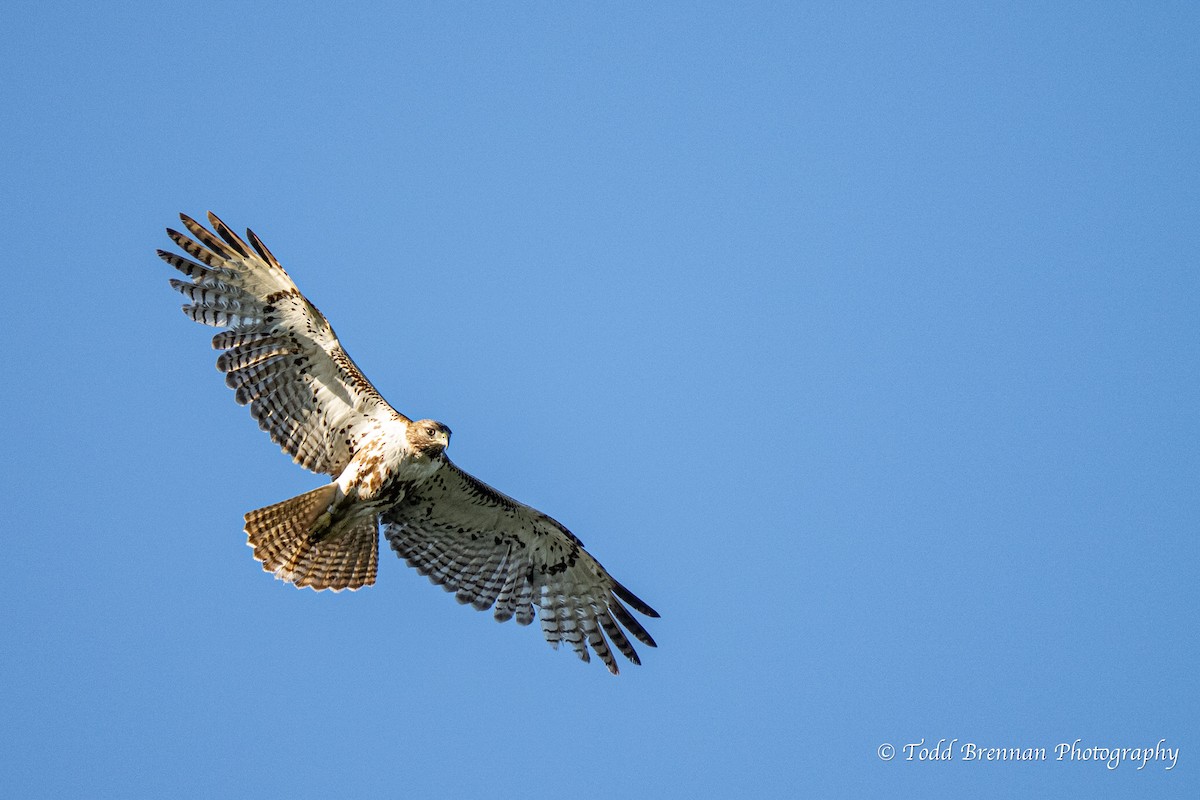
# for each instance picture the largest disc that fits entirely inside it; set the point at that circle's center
(428, 437)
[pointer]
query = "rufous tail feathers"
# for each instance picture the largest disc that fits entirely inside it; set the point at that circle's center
(283, 540)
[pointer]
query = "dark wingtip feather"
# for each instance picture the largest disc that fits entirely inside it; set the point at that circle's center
(231, 238)
(206, 237)
(623, 616)
(213, 258)
(258, 245)
(638, 603)
(193, 226)
(180, 263)
(618, 636)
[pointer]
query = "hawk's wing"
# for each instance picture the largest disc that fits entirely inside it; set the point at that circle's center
(281, 355)
(492, 550)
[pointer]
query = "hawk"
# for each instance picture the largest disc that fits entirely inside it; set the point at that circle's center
(282, 358)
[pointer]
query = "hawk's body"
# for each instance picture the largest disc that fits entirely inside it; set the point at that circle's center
(283, 359)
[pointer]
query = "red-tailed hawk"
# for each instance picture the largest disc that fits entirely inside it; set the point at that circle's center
(283, 360)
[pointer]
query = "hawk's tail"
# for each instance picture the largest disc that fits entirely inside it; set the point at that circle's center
(282, 538)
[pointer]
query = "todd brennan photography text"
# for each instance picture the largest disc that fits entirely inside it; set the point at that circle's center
(1076, 750)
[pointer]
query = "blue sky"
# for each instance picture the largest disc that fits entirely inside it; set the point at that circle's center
(858, 339)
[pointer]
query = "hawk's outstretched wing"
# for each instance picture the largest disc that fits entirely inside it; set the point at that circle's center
(492, 550)
(281, 355)
(283, 359)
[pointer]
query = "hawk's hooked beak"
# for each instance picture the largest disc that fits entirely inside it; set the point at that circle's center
(443, 438)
